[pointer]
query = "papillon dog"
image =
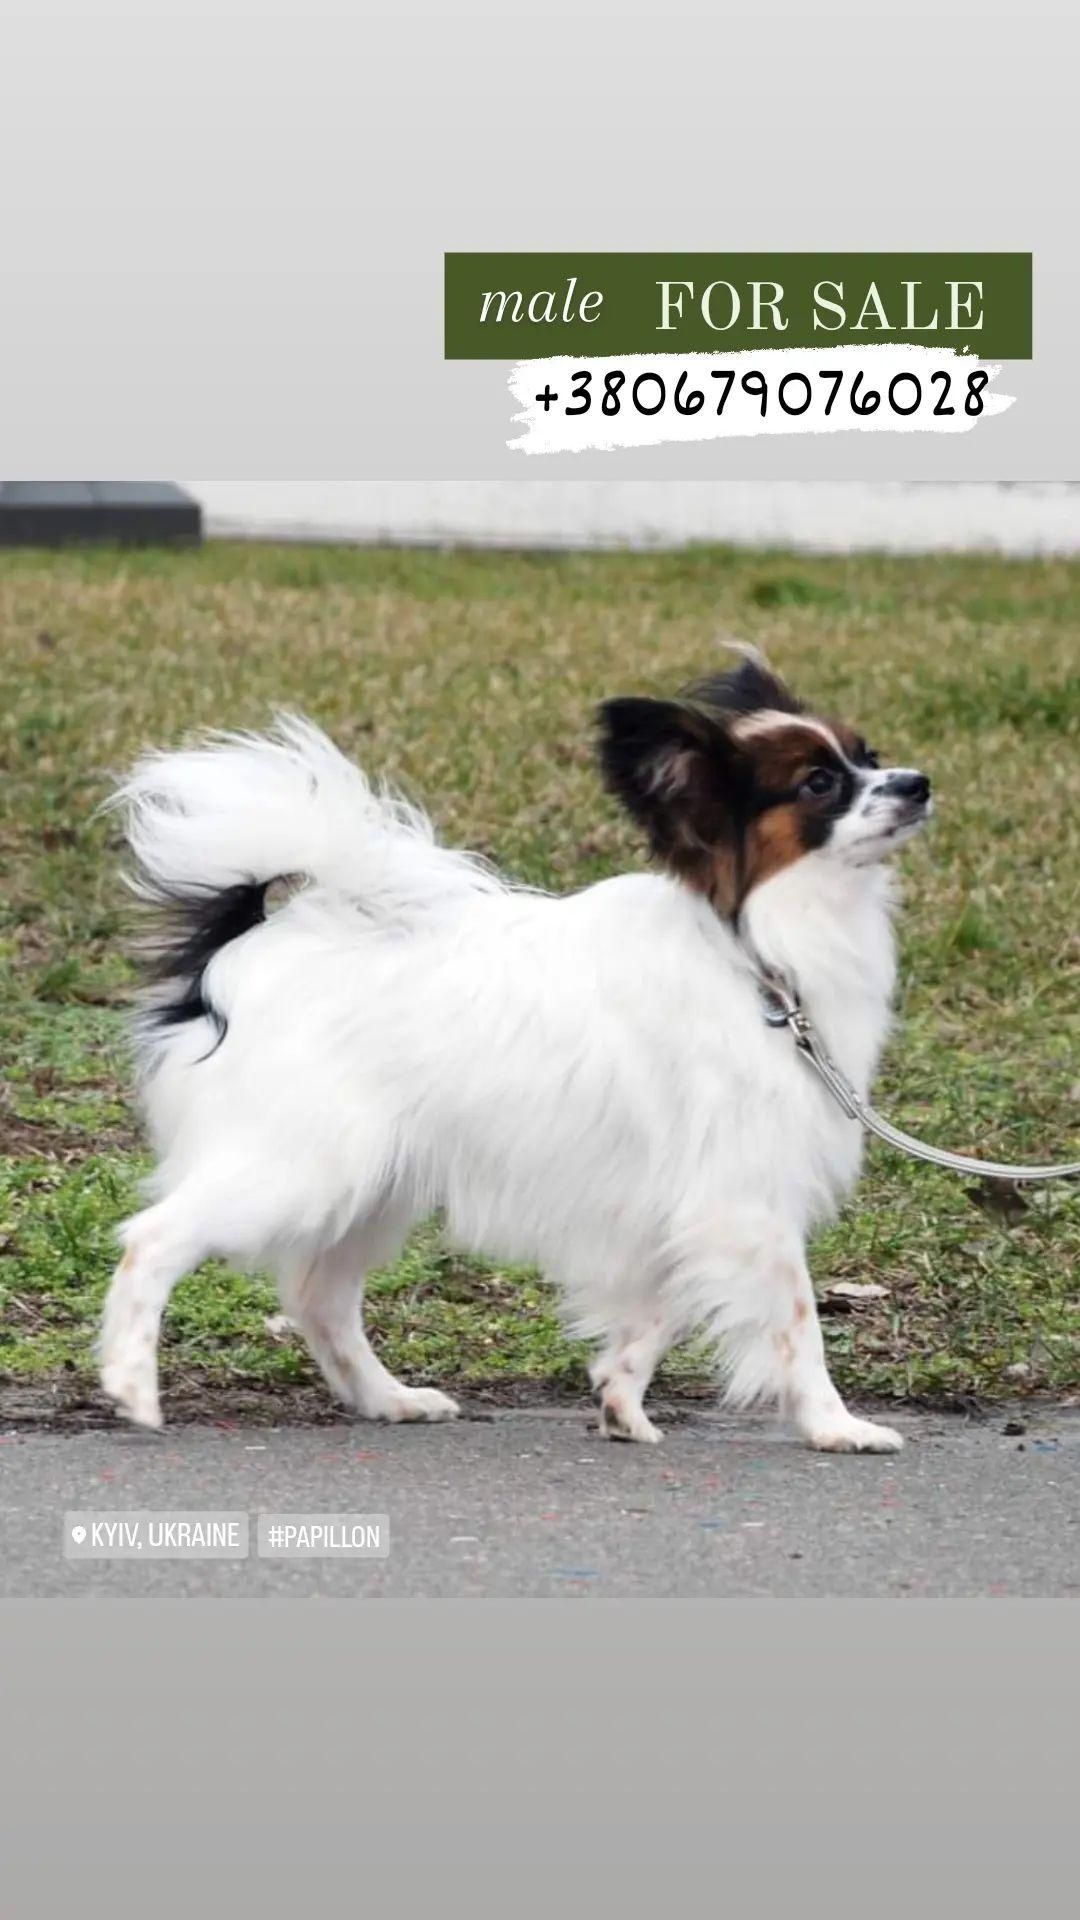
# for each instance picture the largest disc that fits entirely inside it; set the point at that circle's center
(585, 1083)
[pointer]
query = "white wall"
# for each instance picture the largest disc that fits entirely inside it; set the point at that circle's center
(825, 516)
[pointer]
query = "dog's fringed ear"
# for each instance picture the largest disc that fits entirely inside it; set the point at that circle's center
(675, 769)
(748, 688)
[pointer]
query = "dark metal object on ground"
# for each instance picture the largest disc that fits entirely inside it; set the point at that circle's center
(50, 513)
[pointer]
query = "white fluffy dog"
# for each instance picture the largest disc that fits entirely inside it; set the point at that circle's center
(585, 1083)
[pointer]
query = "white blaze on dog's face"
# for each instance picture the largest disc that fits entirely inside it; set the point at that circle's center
(736, 781)
(887, 807)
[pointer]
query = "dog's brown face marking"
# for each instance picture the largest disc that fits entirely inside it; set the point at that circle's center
(734, 782)
(786, 756)
(853, 745)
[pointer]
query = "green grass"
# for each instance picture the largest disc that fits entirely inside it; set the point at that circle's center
(470, 679)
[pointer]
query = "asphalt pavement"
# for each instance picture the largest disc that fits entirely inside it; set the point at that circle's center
(534, 1503)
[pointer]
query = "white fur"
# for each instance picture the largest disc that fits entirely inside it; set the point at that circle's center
(751, 726)
(584, 1082)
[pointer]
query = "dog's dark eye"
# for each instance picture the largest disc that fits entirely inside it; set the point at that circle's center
(820, 782)
(870, 758)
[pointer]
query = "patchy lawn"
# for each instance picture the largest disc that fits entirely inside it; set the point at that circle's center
(471, 679)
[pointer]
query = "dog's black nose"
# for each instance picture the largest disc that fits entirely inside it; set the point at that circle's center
(910, 786)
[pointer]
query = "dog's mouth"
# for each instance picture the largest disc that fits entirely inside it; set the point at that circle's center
(913, 815)
(909, 818)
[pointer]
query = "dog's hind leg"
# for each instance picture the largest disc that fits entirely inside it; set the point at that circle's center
(324, 1295)
(620, 1378)
(161, 1245)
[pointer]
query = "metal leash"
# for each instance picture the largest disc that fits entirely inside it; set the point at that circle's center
(783, 1008)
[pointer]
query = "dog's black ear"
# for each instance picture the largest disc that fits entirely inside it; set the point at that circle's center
(676, 771)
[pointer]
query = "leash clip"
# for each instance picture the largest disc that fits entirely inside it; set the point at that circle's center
(782, 1007)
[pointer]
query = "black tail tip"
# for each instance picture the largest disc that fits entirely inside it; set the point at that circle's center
(193, 924)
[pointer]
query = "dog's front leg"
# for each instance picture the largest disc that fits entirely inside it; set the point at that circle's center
(748, 1284)
(807, 1393)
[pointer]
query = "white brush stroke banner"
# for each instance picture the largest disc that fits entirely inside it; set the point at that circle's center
(905, 372)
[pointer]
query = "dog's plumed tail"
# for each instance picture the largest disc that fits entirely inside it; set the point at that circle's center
(211, 828)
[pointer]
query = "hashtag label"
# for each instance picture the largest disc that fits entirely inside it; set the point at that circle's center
(323, 1536)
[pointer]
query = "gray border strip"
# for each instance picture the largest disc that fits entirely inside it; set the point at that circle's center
(604, 1749)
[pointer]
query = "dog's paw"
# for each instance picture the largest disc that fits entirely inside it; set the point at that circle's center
(622, 1419)
(417, 1403)
(133, 1391)
(850, 1435)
